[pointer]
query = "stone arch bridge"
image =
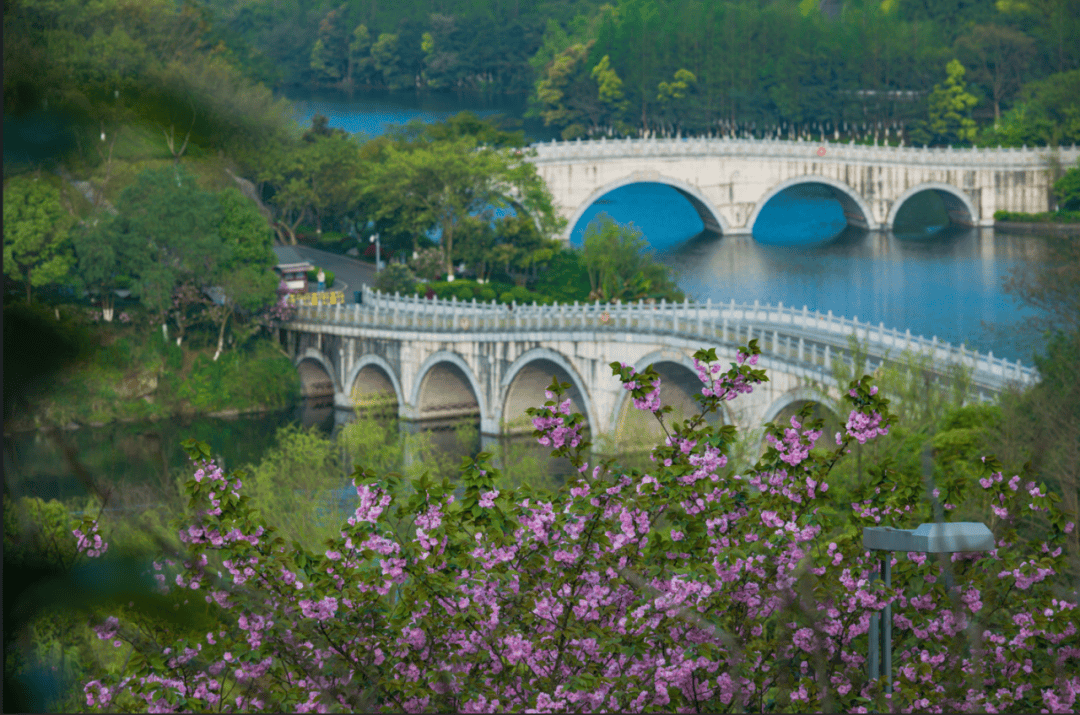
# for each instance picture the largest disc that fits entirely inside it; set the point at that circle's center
(434, 360)
(729, 181)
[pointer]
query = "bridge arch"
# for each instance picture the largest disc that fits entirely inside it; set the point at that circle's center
(519, 209)
(378, 365)
(803, 393)
(465, 378)
(312, 381)
(856, 210)
(710, 217)
(581, 401)
(958, 205)
(793, 398)
(622, 402)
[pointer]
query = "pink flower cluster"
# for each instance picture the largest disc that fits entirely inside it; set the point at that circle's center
(794, 448)
(728, 386)
(864, 427)
(651, 401)
(560, 434)
(91, 544)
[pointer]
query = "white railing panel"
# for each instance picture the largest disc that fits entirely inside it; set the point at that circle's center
(730, 323)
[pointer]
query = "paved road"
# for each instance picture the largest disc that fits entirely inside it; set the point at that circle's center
(349, 274)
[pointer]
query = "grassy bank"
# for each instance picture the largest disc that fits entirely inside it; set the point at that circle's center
(129, 372)
(1044, 217)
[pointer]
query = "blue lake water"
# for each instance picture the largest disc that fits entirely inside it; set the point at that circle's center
(934, 280)
(945, 281)
(374, 112)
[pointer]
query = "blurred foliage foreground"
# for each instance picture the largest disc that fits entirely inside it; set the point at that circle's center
(299, 486)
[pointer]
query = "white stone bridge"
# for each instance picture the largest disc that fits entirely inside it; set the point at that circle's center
(729, 181)
(435, 359)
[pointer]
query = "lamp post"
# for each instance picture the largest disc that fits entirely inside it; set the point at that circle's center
(374, 238)
(936, 538)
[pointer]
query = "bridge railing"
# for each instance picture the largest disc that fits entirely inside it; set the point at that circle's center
(835, 151)
(784, 332)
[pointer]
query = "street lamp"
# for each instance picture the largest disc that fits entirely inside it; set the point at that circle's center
(936, 538)
(374, 238)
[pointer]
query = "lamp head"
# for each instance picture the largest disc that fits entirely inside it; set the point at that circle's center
(931, 538)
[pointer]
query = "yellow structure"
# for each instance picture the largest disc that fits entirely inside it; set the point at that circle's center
(326, 298)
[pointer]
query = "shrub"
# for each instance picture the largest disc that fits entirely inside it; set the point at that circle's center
(172, 353)
(1044, 217)
(257, 378)
(396, 278)
(462, 291)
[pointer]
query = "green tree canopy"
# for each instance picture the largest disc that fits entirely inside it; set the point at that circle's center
(396, 278)
(240, 290)
(485, 131)
(176, 225)
(998, 57)
(314, 177)
(671, 95)
(949, 108)
(389, 61)
(106, 259)
(37, 246)
(244, 232)
(1067, 189)
(567, 93)
(1048, 114)
(330, 53)
(618, 266)
(475, 241)
(439, 184)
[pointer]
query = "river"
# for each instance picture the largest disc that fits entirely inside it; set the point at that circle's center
(934, 280)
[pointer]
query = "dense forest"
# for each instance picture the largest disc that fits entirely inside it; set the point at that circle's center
(130, 118)
(986, 72)
(860, 68)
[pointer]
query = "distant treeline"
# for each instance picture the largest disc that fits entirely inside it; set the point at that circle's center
(861, 68)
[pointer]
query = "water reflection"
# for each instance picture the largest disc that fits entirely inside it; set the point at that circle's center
(930, 276)
(374, 112)
(948, 284)
(803, 214)
(139, 455)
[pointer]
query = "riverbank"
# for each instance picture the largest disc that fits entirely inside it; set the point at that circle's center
(131, 374)
(1030, 228)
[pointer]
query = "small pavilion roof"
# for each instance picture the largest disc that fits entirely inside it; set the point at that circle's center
(289, 260)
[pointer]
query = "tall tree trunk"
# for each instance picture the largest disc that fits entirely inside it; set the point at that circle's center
(448, 241)
(29, 295)
(170, 139)
(99, 195)
(221, 336)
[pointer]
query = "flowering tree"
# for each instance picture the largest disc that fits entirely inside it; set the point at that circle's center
(681, 590)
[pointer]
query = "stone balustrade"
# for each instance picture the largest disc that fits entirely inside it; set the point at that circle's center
(795, 336)
(849, 153)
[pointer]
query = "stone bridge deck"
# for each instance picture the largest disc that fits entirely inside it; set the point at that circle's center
(728, 182)
(797, 342)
